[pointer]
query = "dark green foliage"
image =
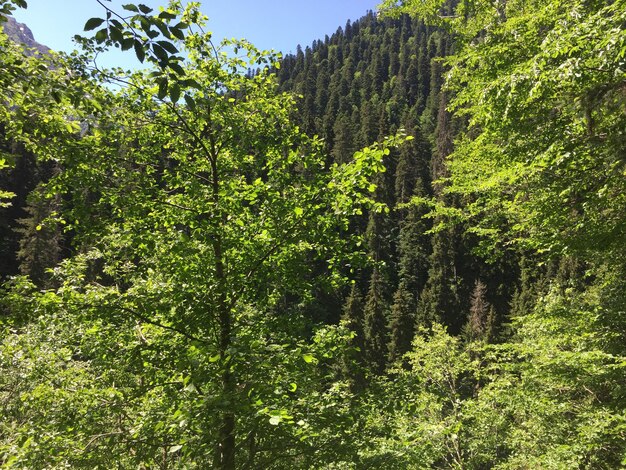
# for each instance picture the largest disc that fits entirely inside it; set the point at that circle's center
(352, 367)
(363, 70)
(532, 283)
(441, 299)
(387, 74)
(376, 318)
(413, 253)
(19, 180)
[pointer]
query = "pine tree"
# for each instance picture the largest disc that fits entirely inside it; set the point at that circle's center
(413, 268)
(412, 170)
(343, 145)
(533, 281)
(441, 298)
(376, 319)
(481, 319)
(402, 320)
(353, 317)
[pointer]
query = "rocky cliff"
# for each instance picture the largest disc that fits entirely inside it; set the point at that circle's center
(22, 34)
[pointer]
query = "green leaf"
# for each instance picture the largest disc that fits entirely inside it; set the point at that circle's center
(166, 15)
(127, 44)
(190, 83)
(176, 67)
(161, 54)
(145, 9)
(116, 35)
(308, 358)
(174, 449)
(93, 23)
(177, 33)
(163, 85)
(168, 46)
(130, 7)
(102, 35)
(163, 28)
(175, 92)
(139, 50)
(191, 103)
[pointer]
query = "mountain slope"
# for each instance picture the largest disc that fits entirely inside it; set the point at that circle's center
(20, 33)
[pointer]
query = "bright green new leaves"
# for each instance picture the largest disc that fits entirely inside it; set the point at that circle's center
(541, 84)
(552, 397)
(205, 223)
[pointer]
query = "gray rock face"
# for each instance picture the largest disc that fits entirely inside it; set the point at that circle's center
(22, 34)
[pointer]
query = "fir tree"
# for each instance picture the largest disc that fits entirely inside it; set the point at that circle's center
(402, 320)
(441, 298)
(481, 319)
(413, 268)
(376, 319)
(343, 145)
(352, 316)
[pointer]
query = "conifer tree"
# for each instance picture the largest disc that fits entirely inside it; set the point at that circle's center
(440, 299)
(402, 320)
(481, 319)
(353, 317)
(533, 281)
(20, 181)
(343, 145)
(376, 320)
(413, 268)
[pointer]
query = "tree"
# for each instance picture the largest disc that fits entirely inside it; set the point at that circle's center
(480, 321)
(376, 320)
(353, 317)
(413, 268)
(526, 74)
(208, 209)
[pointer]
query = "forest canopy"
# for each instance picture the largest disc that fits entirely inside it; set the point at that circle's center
(400, 247)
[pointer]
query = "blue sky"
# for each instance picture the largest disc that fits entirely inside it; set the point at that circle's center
(268, 24)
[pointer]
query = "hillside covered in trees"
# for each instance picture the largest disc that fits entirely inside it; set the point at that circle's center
(400, 247)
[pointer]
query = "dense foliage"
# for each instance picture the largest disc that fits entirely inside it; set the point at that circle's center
(224, 261)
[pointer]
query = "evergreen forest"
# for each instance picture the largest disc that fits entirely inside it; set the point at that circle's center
(401, 247)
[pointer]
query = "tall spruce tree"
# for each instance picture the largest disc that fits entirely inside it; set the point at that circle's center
(376, 315)
(413, 252)
(353, 317)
